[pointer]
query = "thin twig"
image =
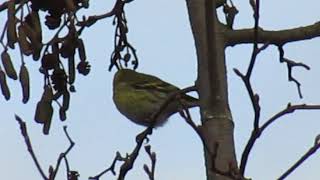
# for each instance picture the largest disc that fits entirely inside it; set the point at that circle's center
(308, 154)
(52, 172)
(185, 114)
(289, 109)
(152, 156)
(64, 154)
(257, 133)
(129, 160)
(111, 168)
(128, 164)
(170, 98)
(93, 19)
(246, 79)
(290, 65)
(24, 133)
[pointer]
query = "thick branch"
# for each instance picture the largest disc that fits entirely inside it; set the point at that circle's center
(217, 125)
(234, 37)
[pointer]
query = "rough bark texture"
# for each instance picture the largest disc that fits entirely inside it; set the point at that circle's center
(217, 124)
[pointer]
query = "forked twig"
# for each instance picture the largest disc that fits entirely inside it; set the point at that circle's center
(52, 171)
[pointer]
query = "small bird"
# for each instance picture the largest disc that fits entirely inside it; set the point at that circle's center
(139, 96)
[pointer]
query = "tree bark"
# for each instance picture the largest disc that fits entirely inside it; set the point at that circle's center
(217, 124)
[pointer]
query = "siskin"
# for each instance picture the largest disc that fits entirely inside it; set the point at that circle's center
(139, 96)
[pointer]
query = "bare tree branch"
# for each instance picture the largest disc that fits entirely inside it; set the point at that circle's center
(118, 6)
(152, 156)
(24, 133)
(52, 171)
(63, 155)
(290, 65)
(307, 155)
(257, 132)
(236, 37)
(289, 109)
(233, 171)
(128, 164)
(171, 98)
(246, 79)
(117, 158)
(129, 160)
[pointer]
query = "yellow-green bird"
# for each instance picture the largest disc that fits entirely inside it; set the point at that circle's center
(139, 96)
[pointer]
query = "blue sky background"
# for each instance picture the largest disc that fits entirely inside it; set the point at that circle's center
(161, 33)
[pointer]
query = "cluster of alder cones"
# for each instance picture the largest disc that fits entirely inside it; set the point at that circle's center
(26, 32)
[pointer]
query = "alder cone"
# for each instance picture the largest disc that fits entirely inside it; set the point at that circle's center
(62, 114)
(33, 20)
(36, 43)
(4, 86)
(68, 48)
(66, 100)
(81, 50)
(47, 94)
(43, 115)
(8, 66)
(25, 83)
(23, 42)
(11, 26)
(49, 61)
(72, 70)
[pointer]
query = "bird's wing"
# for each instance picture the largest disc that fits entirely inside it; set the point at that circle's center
(156, 85)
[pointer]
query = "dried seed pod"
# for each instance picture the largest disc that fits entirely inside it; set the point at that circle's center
(43, 115)
(25, 46)
(4, 85)
(70, 5)
(84, 67)
(41, 112)
(46, 126)
(35, 42)
(66, 100)
(81, 50)
(68, 48)
(37, 51)
(55, 48)
(62, 114)
(52, 22)
(33, 20)
(47, 95)
(8, 66)
(59, 80)
(25, 83)
(49, 61)
(72, 69)
(11, 28)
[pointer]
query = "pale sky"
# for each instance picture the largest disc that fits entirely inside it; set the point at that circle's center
(160, 32)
